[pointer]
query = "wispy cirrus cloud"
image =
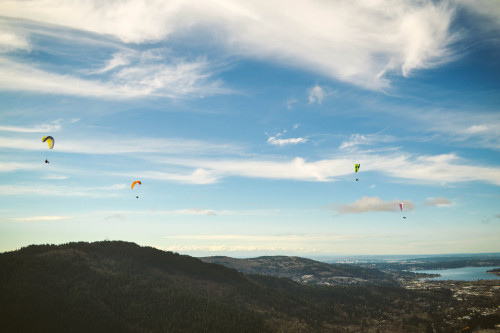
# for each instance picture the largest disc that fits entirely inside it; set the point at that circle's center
(50, 127)
(118, 59)
(472, 129)
(352, 41)
(174, 80)
(373, 204)
(365, 139)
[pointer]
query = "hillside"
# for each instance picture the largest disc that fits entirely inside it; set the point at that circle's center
(122, 287)
(306, 270)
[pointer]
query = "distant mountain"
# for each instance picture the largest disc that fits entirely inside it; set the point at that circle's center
(122, 287)
(305, 270)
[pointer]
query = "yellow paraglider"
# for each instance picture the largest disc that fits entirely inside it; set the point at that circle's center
(49, 140)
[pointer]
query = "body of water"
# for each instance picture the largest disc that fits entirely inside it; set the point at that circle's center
(463, 273)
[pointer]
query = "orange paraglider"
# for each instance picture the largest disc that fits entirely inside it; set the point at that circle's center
(133, 184)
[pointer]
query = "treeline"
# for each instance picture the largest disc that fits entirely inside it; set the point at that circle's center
(122, 287)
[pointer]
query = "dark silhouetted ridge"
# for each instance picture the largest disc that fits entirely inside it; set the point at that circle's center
(114, 286)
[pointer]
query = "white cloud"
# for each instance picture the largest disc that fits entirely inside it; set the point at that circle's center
(359, 42)
(440, 202)
(283, 142)
(373, 204)
(277, 141)
(476, 129)
(316, 95)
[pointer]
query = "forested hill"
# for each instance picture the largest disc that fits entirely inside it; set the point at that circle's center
(305, 270)
(122, 287)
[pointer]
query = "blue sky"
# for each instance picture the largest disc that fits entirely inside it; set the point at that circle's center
(243, 120)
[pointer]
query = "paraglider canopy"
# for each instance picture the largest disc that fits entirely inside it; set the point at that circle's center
(49, 140)
(356, 167)
(401, 206)
(134, 183)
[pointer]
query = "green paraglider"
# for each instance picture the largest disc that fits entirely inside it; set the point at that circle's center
(356, 169)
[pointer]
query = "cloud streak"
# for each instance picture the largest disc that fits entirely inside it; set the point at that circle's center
(107, 145)
(62, 190)
(189, 155)
(53, 127)
(40, 218)
(284, 142)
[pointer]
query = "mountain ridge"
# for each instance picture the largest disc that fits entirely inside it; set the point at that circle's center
(305, 270)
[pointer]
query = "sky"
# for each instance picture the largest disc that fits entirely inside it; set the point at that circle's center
(243, 121)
